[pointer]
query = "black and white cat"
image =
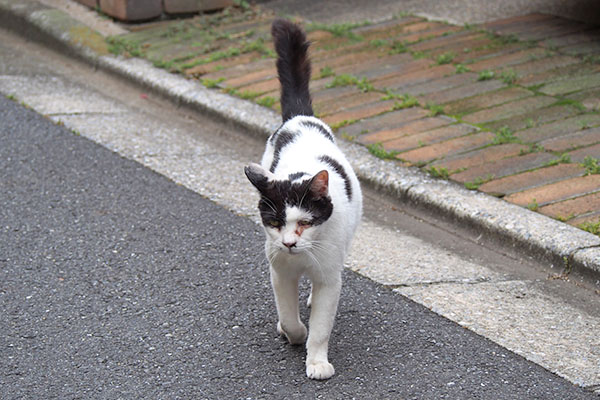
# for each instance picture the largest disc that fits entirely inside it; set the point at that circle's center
(310, 205)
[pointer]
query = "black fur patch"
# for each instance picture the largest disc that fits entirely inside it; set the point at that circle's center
(296, 175)
(282, 139)
(339, 169)
(293, 68)
(320, 128)
(278, 195)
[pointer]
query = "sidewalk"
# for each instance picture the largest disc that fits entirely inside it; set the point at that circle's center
(509, 108)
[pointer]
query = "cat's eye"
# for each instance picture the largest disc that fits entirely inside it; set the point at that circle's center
(274, 223)
(304, 223)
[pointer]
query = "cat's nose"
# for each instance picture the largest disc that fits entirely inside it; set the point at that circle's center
(289, 245)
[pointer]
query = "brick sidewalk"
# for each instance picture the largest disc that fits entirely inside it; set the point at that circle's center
(510, 108)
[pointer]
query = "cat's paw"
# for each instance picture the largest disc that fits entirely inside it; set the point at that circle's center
(294, 336)
(319, 370)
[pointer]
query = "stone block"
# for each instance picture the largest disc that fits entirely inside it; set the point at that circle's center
(90, 3)
(194, 6)
(131, 10)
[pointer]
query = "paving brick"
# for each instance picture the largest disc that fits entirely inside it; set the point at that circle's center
(482, 156)
(251, 77)
(375, 68)
(418, 76)
(222, 64)
(590, 151)
(557, 191)
(571, 85)
(261, 87)
(421, 26)
(506, 25)
(589, 48)
(386, 121)
(240, 69)
(509, 109)
(131, 10)
(486, 100)
(347, 101)
(540, 116)
(453, 146)
(515, 183)
(407, 129)
(572, 141)
(540, 65)
(573, 207)
(557, 74)
(442, 41)
(469, 55)
(346, 59)
(504, 167)
(593, 218)
(436, 85)
(390, 80)
(517, 57)
(542, 29)
(590, 99)
(194, 6)
(572, 39)
(360, 112)
(558, 128)
(324, 95)
(437, 31)
(429, 137)
(467, 90)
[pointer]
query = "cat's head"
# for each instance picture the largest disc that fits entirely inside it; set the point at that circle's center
(293, 209)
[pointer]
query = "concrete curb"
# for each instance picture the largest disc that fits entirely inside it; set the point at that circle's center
(559, 243)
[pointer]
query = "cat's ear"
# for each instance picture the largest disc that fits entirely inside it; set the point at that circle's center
(258, 176)
(319, 184)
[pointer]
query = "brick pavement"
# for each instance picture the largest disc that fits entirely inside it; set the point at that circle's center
(510, 107)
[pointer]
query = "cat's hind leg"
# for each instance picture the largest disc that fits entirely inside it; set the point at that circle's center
(285, 288)
(325, 297)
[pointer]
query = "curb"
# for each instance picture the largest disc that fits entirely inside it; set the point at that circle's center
(562, 245)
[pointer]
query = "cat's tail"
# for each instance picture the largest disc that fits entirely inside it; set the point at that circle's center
(293, 68)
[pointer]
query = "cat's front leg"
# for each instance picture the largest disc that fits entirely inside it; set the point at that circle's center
(325, 297)
(285, 288)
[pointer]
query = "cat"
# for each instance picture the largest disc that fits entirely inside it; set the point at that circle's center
(310, 205)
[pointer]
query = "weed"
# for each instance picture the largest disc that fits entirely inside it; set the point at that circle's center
(266, 101)
(529, 123)
(378, 151)
(583, 124)
(533, 148)
(563, 159)
(339, 30)
(569, 102)
(441, 173)
(505, 135)
(591, 165)
(562, 218)
(11, 97)
(434, 109)
(407, 101)
(478, 182)
(163, 64)
(533, 205)
(461, 69)
(591, 227)
(326, 72)
(347, 80)
(121, 46)
(485, 75)
(378, 42)
(343, 123)
(508, 76)
(212, 83)
(445, 58)
(243, 4)
(348, 137)
(398, 47)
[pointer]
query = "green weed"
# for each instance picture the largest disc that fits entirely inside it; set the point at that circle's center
(445, 58)
(563, 159)
(591, 165)
(533, 205)
(505, 135)
(441, 173)
(508, 76)
(486, 75)
(266, 101)
(378, 151)
(326, 72)
(591, 227)
(461, 69)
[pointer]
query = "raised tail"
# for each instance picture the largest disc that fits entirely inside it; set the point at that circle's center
(293, 68)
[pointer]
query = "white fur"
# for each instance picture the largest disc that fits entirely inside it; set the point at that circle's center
(319, 251)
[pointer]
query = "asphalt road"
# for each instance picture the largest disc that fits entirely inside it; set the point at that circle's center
(117, 283)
